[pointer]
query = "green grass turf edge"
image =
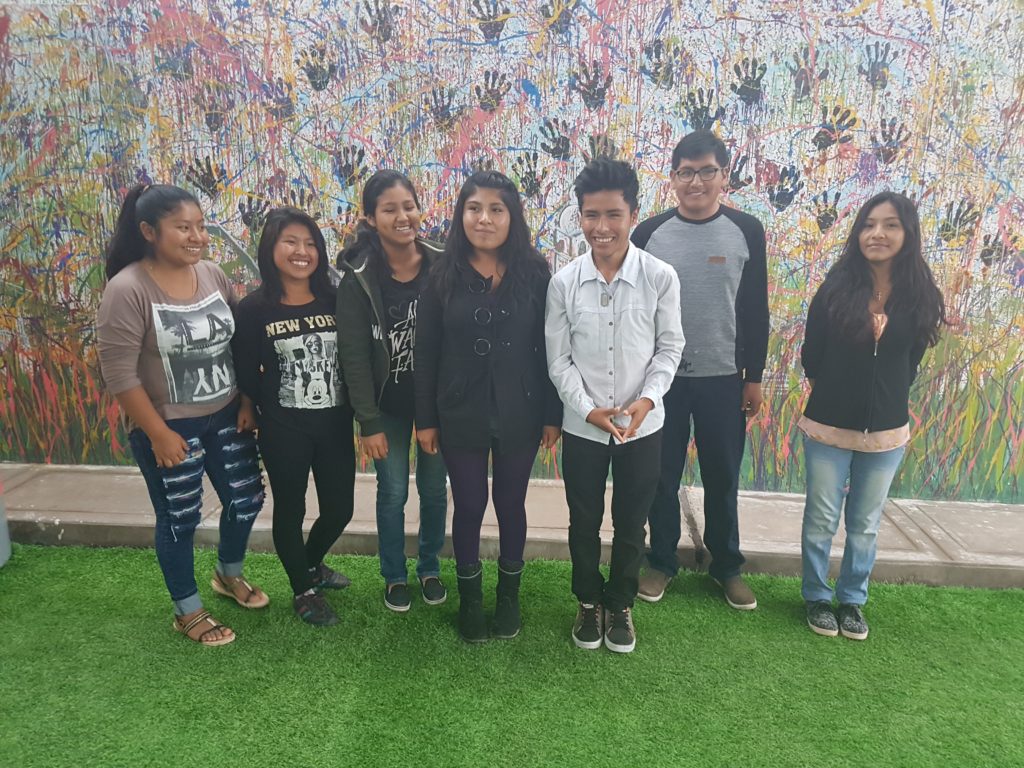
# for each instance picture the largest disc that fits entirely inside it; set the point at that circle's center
(92, 675)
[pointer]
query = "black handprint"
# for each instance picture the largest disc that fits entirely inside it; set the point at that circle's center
(833, 127)
(878, 61)
(438, 231)
(749, 89)
(524, 168)
(804, 76)
(698, 109)
(208, 176)
(959, 223)
(661, 62)
(588, 82)
(825, 212)
(216, 102)
(789, 185)
(279, 99)
(318, 67)
(304, 200)
(440, 104)
(996, 249)
(348, 165)
(494, 89)
(254, 212)
(477, 163)
(892, 142)
(380, 24)
(600, 145)
(736, 180)
(491, 16)
(556, 132)
(558, 15)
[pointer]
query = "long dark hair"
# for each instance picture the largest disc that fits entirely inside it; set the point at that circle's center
(271, 289)
(522, 261)
(367, 238)
(144, 203)
(849, 285)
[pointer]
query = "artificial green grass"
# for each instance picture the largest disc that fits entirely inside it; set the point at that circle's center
(91, 674)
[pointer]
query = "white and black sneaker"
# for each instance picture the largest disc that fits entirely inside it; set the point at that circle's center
(852, 623)
(396, 597)
(587, 629)
(821, 618)
(619, 634)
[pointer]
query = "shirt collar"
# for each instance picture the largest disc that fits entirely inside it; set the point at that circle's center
(629, 271)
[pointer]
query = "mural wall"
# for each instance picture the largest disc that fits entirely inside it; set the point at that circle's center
(253, 104)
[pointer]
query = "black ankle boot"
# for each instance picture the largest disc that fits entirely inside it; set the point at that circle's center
(506, 613)
(472, 624)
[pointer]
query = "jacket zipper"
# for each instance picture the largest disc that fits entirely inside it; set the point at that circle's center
(369, 294)
(871, 391)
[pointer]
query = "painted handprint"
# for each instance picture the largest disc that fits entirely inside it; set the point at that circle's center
(496, 86)
(591, 85)
(891, 141)
(699, 108)
(379, 23)
(825, 211)
(319, 68)
(441, 105)
(805, 77)
(558, 15)
(834, 127)
(207, 176)
(876, 65)
(750, 73)
(530, 180)
(661, 63)
(556, 134)
(491, 16)
(958, 226)
(783, 192)
(348, 165)
(278, 96)
(995, 249)
(305, 200)
(216, 102)
(736, 178)
(254, 212)
(600, 145)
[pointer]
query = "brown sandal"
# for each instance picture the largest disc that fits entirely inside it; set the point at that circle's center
(254, 597)
(214, 626)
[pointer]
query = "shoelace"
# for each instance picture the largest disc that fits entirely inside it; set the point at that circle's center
(620, 619)
(590, 614)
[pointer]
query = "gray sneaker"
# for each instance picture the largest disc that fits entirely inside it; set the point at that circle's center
(852, 623)
(737, 593)
(619, 633)
(588, 628)
(821, 618)
(653, 585)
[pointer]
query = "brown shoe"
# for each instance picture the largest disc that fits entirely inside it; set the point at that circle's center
(737, 593)
(652, 585)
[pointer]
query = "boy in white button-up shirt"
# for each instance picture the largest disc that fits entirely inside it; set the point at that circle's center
(614, 340)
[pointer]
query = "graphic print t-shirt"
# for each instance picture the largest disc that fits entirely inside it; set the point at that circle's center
(287, 360)
(400, 300)
(177, 350)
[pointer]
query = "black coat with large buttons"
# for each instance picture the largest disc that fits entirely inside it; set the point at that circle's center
(481, 366)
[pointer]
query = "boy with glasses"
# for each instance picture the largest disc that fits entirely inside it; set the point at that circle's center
(719, 255)
(613, 345)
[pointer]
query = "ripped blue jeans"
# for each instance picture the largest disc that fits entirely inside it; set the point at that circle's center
(231, 461)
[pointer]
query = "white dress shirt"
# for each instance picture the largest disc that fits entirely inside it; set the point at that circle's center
(611, 344)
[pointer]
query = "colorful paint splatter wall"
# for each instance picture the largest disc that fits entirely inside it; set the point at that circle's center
(252, 104)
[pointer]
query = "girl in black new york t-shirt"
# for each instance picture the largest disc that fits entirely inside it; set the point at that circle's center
(285, 350)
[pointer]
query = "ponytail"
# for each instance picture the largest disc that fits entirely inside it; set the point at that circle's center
(143, 203)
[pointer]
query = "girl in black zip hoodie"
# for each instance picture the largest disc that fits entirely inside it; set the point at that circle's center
(867, 329)
(383, 273)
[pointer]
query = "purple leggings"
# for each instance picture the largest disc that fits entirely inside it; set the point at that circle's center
(467, 470)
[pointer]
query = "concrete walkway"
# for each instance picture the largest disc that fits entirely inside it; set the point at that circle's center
(928, 542)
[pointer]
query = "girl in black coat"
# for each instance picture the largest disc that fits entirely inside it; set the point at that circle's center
(482, 388)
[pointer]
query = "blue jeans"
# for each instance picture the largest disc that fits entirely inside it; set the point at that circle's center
(230, 460)
(393, 492)
(864, 480)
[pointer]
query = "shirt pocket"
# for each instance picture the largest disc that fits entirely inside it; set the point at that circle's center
(590, 331)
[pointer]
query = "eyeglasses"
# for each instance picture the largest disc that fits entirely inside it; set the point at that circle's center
(707, 173)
